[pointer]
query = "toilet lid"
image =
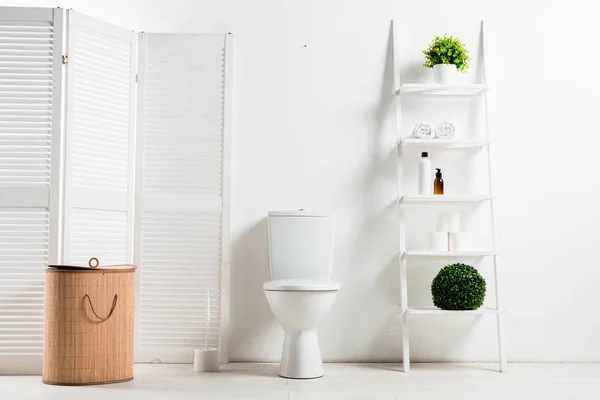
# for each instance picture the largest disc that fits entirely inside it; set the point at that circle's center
(301, 284)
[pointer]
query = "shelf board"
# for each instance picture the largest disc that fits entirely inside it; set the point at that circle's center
(442, 200)
(443, 90)
(451, 144)
(448, 254)
(431, 310)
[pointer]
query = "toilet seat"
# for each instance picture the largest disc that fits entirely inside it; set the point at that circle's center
(290, 285)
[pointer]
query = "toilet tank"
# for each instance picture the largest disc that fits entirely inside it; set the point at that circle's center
(301, 244)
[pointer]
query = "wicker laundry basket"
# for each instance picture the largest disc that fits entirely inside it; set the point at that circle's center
(88, 324)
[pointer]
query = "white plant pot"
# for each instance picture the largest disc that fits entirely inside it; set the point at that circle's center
(446, 74)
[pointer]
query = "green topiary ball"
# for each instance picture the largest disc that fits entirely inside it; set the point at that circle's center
(458, 287)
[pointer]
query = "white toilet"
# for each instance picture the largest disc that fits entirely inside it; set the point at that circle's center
(301, 292)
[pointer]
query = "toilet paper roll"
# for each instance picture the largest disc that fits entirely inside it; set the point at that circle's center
(448, 222)
(460, 241)
(206, 360)
(438, 241)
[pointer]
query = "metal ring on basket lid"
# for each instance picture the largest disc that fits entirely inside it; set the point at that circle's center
(92, 264)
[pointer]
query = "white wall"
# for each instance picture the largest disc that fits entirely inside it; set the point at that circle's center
(314, 129)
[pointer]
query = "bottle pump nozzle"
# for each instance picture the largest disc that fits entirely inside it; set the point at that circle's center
(438, 173)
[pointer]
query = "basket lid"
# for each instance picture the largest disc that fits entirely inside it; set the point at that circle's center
(94, 264)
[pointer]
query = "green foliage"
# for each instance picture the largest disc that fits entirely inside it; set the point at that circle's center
(458, 287)
(447, 50)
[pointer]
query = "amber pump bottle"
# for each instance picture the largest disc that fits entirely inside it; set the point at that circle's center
(438, 183)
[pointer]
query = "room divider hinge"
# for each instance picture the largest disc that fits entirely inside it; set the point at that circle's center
(65, 60)
(137, 77)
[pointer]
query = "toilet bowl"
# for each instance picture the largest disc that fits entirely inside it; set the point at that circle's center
(300, 305)
(301, 292)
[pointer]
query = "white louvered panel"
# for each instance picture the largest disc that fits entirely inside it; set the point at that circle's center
(28, 184)
(23, 259)
(26, 57)
(100, 128)
(180, 137)
(183, 120)
(180, 264)
(99, 154)
(100, 233)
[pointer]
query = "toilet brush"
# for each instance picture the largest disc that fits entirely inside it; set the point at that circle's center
(206, 359)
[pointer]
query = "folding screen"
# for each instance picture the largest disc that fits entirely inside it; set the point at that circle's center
(181, 199)
(30, 88)
(68, 85)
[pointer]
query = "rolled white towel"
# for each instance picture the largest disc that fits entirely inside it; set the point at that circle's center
(424, 130)
(445, 130)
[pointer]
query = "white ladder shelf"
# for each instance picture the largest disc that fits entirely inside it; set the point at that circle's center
(405, 201)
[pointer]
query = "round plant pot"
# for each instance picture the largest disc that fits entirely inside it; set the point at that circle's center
(445, 73)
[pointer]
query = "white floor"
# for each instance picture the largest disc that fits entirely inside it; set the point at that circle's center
(341, 381)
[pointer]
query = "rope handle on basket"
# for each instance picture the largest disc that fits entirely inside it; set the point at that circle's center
(114, 305)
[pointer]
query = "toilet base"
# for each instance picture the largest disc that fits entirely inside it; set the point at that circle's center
(301, 356)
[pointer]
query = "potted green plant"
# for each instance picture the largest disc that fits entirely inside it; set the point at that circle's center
(458, 287)
(446, 55)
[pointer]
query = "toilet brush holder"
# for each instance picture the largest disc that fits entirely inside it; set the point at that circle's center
(206, 360)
